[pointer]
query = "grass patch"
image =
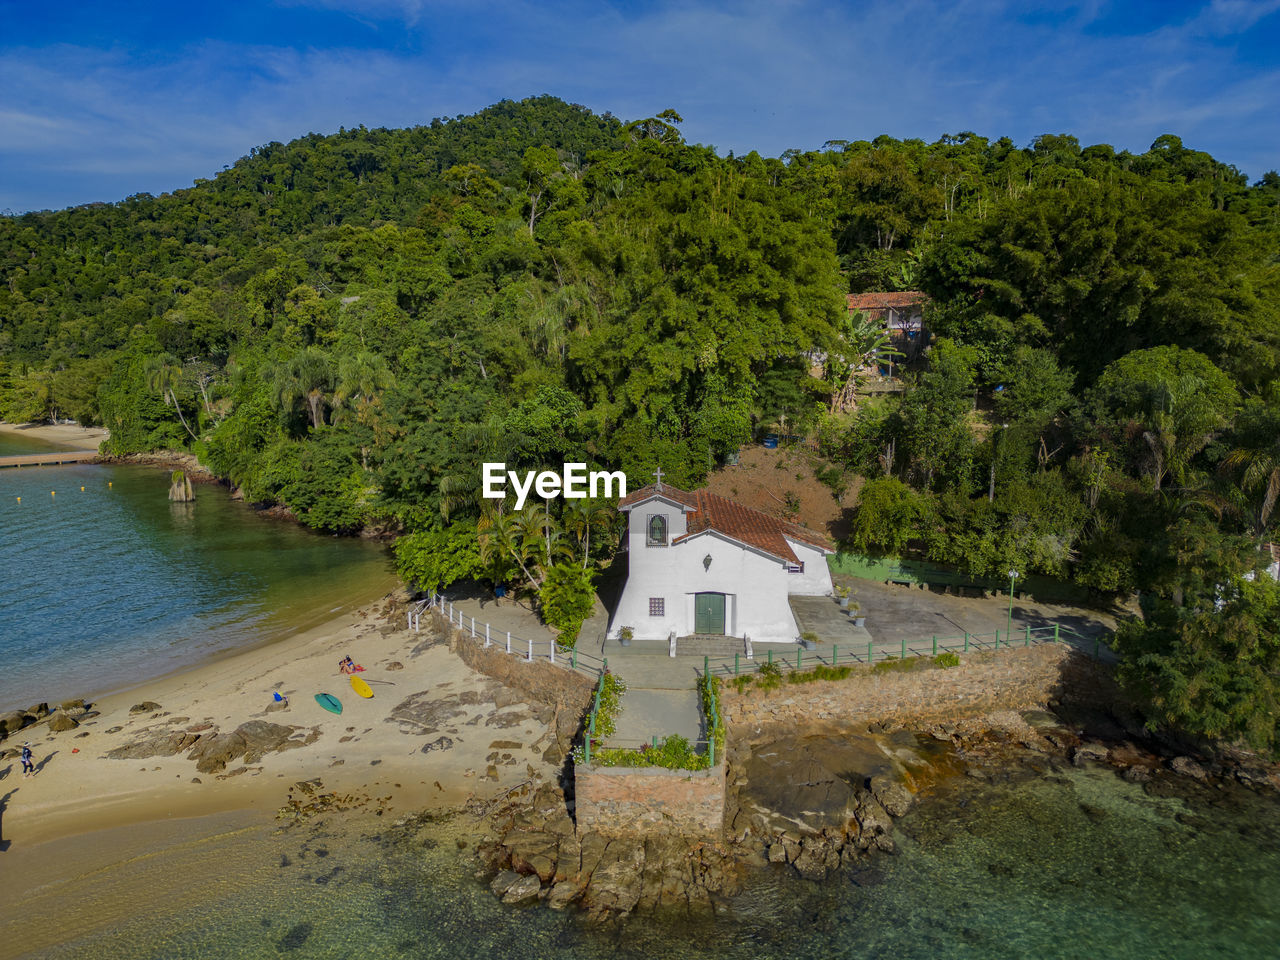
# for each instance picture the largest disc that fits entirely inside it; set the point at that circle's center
(820, 672)
(896, 665)
(672, 753)
(770, 676)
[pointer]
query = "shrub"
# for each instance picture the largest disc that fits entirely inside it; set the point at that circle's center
(769, 676)
(611, 692)
(433, 559)
(945, 660)
(709, 690)
(567, 598)
(672, 753)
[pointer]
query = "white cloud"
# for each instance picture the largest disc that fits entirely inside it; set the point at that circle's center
(746, 75)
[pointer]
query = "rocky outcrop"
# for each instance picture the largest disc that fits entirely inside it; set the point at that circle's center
(539, 853)
(67, 716)
(213, 751)
(815, 802)
(250, 741)
(12, 722)
(62, 721)
(162, 745)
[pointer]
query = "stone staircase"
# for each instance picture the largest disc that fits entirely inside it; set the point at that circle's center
(709, 645)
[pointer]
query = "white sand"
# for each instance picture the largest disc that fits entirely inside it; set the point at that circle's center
(68, 434)
(75, 792)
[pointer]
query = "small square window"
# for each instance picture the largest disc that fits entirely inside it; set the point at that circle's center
(795, 567)
(657, 606)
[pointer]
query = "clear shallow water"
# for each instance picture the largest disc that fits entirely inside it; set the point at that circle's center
(12, 444)
(1078, 866)
(111, 585)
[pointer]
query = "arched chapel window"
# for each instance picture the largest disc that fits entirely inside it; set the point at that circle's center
(657, 530)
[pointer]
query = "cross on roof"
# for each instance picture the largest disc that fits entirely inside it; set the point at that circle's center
(657, 476)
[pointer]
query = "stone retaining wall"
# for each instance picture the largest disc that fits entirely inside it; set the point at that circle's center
(1017, 679)
(540, 681)
(650, 800)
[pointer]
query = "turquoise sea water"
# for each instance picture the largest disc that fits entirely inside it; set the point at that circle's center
(111, 585)
(1076, 865)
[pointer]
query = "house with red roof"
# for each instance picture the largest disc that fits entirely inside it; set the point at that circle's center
(702, 565)
(902, 314)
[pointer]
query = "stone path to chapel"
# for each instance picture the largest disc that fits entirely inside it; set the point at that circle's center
(662, 695)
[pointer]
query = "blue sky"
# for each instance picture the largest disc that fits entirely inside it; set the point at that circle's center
(102, 100)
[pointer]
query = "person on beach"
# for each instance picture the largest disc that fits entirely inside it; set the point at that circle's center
(346, 665)
(28, 767)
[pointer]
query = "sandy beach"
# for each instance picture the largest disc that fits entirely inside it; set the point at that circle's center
(434, 733)
(67, 434)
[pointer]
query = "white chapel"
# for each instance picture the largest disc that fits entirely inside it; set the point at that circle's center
(700, 564)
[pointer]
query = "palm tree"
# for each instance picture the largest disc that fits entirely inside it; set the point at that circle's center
(1259, 471)
(500, 534)
(862, 343)
(580, 517)
(307, 376)
(362, 378)
(164, 374)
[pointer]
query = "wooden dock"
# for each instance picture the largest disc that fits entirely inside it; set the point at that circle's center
(52, 458)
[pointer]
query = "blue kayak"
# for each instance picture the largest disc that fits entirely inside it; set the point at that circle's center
(329, 702)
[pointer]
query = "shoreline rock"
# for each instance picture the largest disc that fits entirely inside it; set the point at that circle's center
(820, 804)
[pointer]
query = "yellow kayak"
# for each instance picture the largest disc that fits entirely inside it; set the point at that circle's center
(362, 688)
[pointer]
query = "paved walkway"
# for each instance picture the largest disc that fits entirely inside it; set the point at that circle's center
(661, 697)
(647, 714)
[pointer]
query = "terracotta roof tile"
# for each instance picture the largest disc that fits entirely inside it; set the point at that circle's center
(882, 301)
(712, 512)
(668, 491)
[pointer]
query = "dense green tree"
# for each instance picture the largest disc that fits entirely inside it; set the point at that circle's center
(1205, 657)
(352, 324)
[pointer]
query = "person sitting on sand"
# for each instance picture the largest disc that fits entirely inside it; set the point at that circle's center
(346, 665)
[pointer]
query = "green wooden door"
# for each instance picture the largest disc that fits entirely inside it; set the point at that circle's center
(708, 613)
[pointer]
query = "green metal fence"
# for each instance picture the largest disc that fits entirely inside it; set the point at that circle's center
(879, 652)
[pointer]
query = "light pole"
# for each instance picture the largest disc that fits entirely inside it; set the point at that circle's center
(1013, 575)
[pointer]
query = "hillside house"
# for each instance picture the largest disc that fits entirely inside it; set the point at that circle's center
(902, 314)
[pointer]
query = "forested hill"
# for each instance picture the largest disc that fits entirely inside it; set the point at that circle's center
(351, 324)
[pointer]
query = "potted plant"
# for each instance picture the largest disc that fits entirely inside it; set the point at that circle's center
(808, 640)
(624, 636)
(842, 594)
(855, 613)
